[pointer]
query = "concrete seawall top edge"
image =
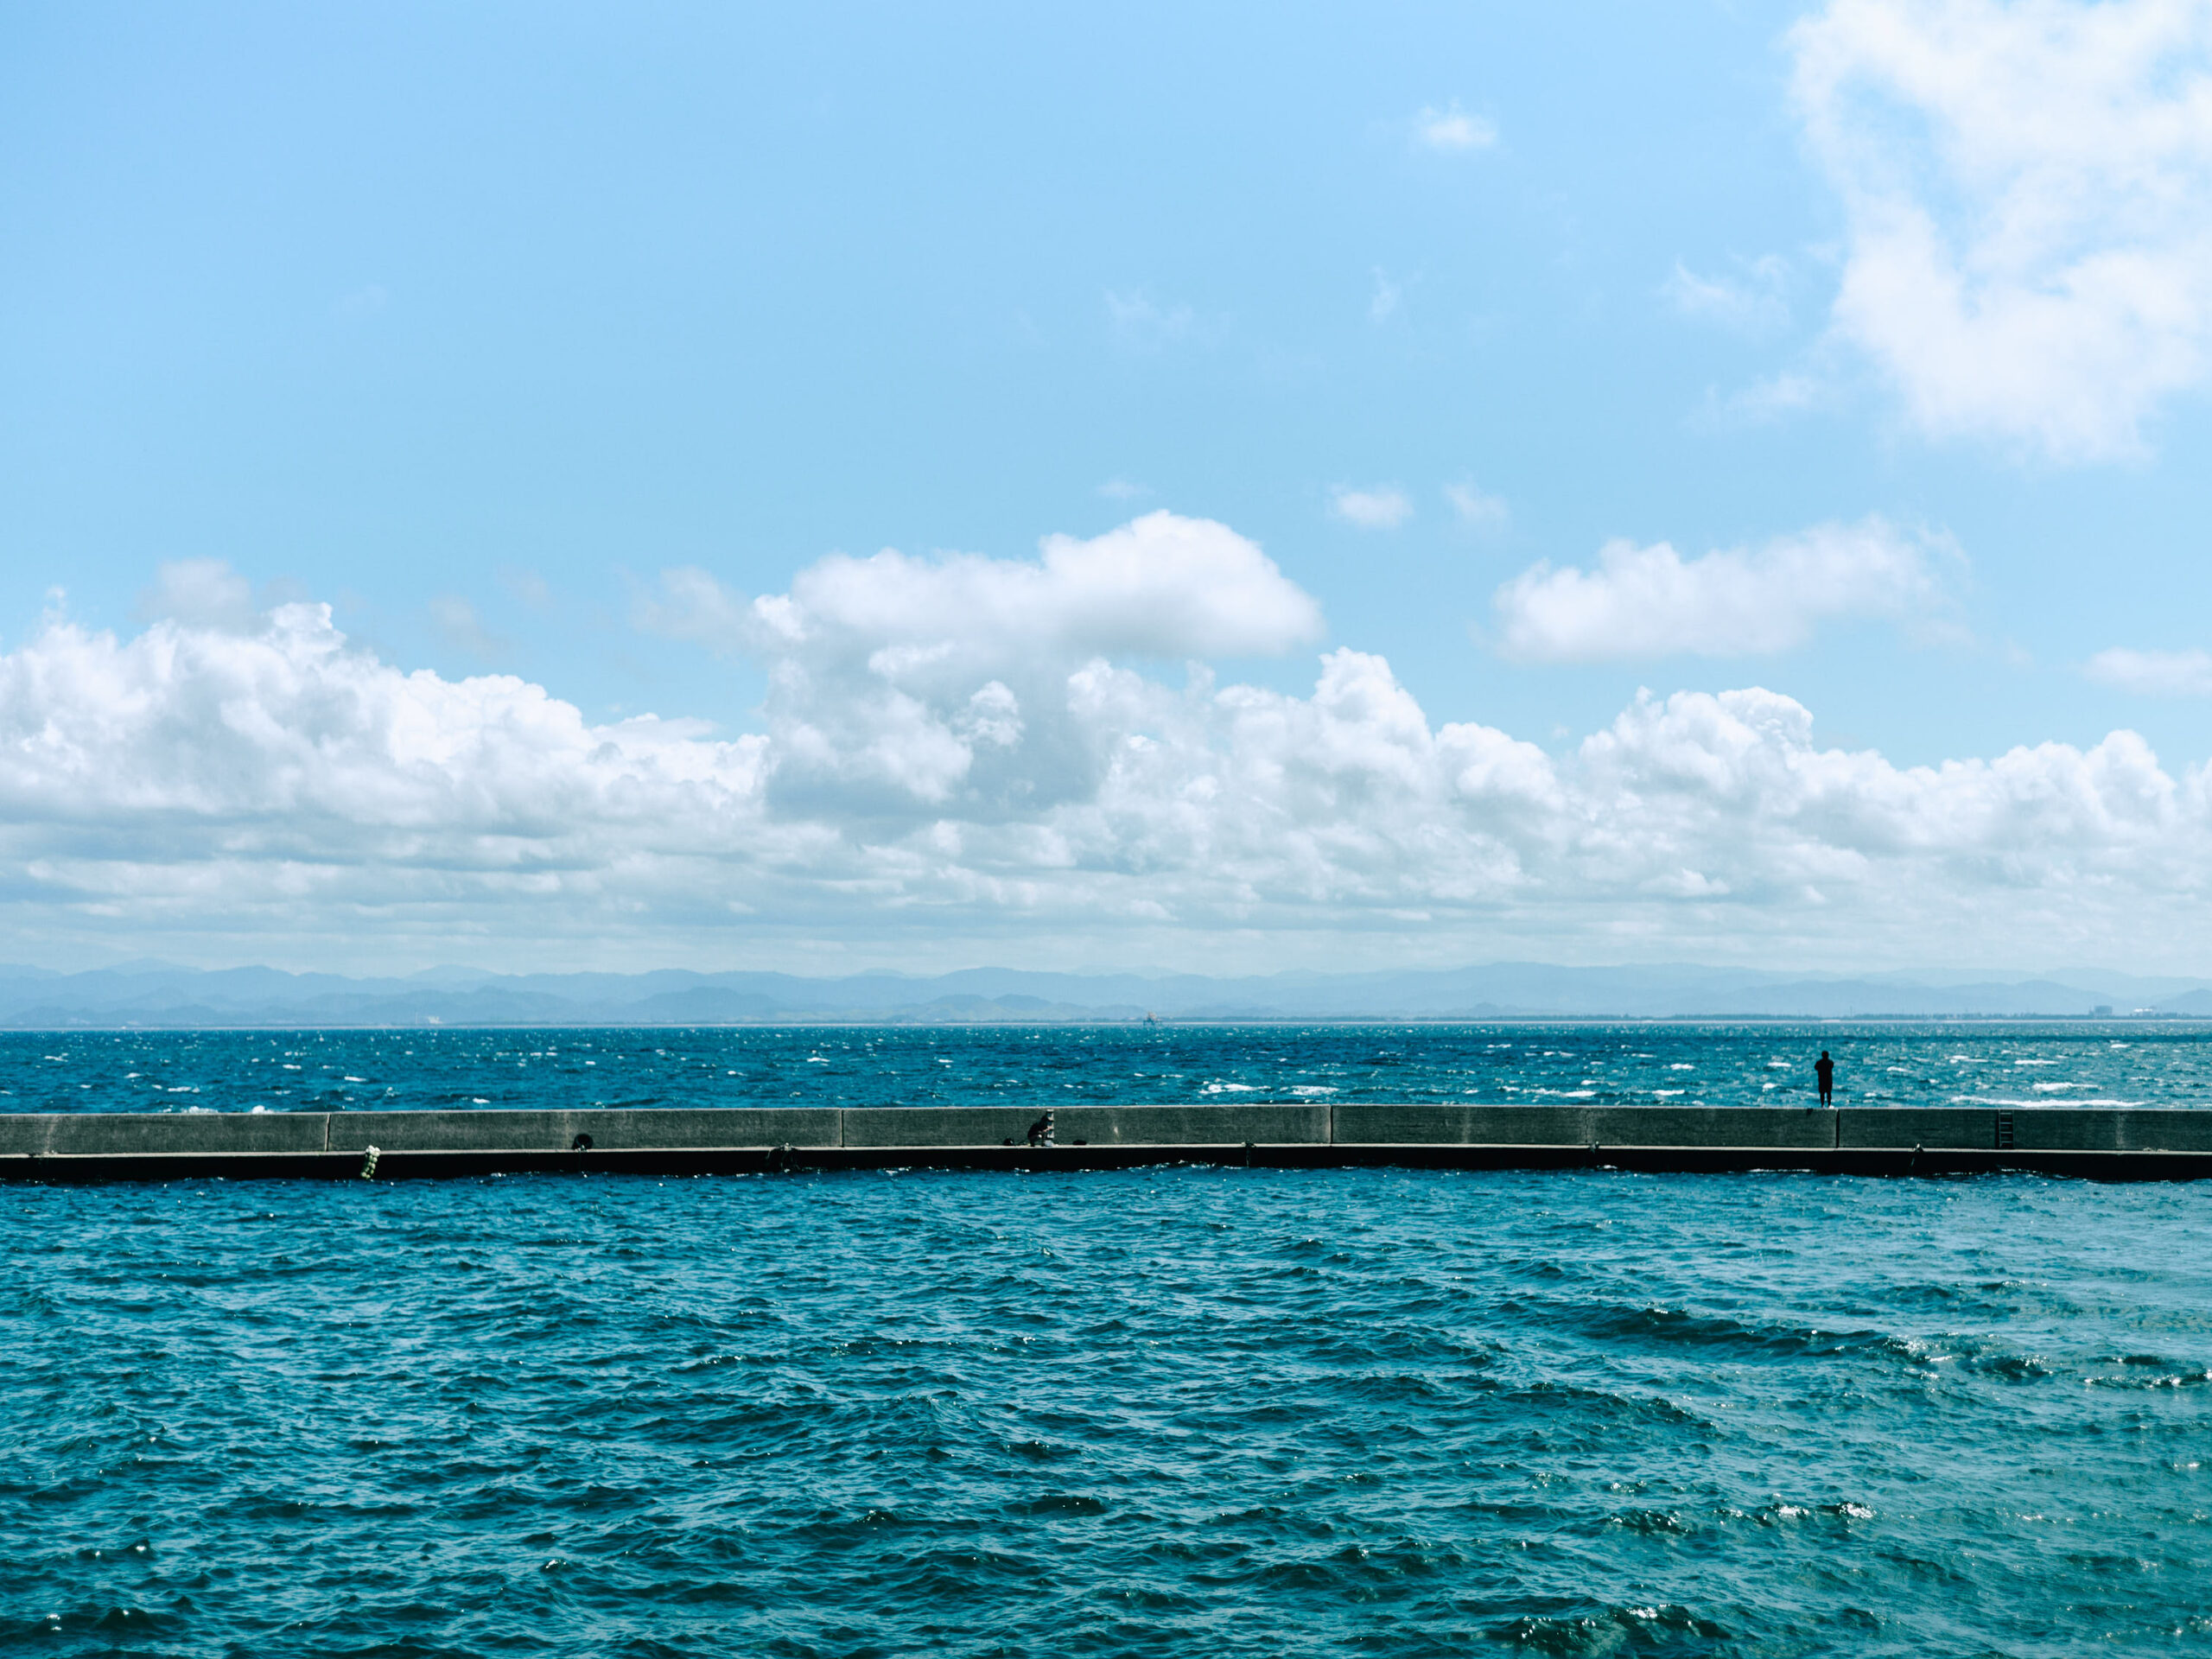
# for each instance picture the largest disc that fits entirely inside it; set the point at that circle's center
(674, 1129)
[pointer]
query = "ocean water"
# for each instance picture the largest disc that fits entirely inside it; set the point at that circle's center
(2119, 1063)
(1175, 1411)
(1182, 1411)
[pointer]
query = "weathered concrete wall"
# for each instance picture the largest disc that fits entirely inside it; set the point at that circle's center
(1099, 1126)
(2121, 1144)
(2089, 1130)
(120, 1133)
(938, 1126)
(1945, 1129)
(616, 1129)
(1583, 1126)
(1230, 1126)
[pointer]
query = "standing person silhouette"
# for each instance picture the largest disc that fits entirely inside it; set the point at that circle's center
(1824, 1069)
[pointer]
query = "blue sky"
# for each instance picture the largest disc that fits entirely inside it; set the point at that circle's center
(539, 341)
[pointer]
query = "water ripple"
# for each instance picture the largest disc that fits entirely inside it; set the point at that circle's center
(1167, 1411)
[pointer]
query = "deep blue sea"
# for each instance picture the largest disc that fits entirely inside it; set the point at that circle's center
(2116, 1063)
(1179, 1411)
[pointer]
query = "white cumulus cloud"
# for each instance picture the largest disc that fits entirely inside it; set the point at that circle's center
(1645, 603)
(875, 663)
(1161, 585)
(2029, 193)
(958, 759)
(1384, 506)
(279, 759)
(2153, 673)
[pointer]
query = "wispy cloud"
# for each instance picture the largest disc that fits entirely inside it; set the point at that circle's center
(454, 621)
(205, 592)
(689, 603)
(1774, 397)
(1122, 489)
(2028, 191)
(526, 587)
(1476, 509)
(1382, 507)
(1750, 303)
(2153, 673)
(1452, 131)
(1140, 325)
(1383, 302)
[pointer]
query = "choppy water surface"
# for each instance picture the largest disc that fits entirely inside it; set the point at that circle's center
(1179, 1411)
(2121, 1063)
(1174, 1411)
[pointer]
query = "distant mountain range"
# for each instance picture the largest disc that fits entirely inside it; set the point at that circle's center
(152, 993)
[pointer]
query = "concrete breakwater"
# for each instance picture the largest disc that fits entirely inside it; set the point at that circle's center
(2118, 1144)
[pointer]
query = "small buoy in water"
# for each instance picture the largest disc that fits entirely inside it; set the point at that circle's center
(369, 1163)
